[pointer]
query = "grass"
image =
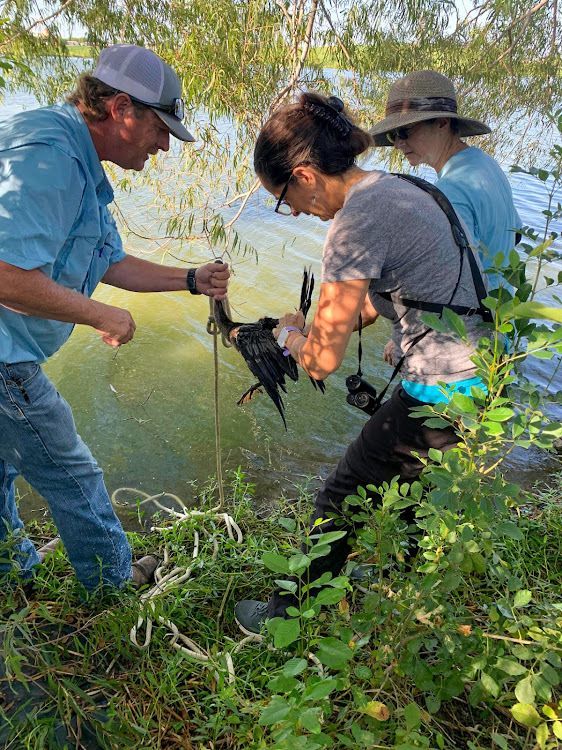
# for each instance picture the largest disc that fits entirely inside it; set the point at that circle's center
(72, 678)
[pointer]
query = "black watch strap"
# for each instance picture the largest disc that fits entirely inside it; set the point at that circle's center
(191, 282)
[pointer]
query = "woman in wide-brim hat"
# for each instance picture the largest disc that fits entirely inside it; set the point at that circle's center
(422, 121)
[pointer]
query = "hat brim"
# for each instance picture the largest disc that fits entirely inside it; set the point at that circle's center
(467, 127)
(175, 126)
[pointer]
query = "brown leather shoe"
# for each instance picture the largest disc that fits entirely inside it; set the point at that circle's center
(48, 548)
(144, 569)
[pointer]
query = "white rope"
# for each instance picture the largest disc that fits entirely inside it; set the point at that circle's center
(165, 580)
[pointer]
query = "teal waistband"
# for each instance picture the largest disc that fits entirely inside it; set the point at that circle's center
(436, 394)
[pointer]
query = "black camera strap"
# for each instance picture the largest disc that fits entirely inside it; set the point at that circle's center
(463, 244)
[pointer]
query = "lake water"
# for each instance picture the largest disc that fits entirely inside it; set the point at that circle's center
(147, 411)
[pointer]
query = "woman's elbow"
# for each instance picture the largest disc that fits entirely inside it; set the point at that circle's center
(321, 370)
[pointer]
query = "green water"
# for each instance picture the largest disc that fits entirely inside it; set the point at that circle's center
(147, 410)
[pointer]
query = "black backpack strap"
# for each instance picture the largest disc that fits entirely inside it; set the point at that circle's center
(463, 244)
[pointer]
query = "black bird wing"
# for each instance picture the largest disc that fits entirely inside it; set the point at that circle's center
(306, 300)
(262, 354)
(256, 343)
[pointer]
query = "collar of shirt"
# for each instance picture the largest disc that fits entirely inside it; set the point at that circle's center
(90, 157)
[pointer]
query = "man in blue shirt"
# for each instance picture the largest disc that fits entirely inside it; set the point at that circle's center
(58, 240)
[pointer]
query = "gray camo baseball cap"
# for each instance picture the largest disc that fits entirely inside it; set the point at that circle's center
(143, 75)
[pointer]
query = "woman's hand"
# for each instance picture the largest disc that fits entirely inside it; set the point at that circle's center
(289, 319)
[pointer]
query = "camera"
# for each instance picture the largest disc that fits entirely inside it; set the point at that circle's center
(361, 394)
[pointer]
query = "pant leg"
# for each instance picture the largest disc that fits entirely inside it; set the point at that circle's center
(38, 437)
(15, 548)
(382, 451)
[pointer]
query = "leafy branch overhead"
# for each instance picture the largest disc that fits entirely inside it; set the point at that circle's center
(238, 59)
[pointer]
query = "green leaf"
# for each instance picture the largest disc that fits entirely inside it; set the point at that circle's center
(282, 684)
(490, 685)
(295, 666)
(499, 415)
(334, 653)
(550, 675)
(537, 310)
(524, 691)
(329, 596)
(542, 734)
(435, 455)
(309, 719)
(509, 666)
(275, 712)
(526, 714)
(510, 529)
(455, 322)
(557, 729)
(329, 536)
(319, 690)
(461, 403)
(522, 598)
(284, 632)
(298, 563)
(432, 320)
(412, 714)
(275, 562)
(500, 741)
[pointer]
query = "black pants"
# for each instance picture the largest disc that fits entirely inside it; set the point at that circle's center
(382, 451)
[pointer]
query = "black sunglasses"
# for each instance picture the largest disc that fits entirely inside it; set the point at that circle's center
(404, 133)
(282, 207)
(176, 108)
(399, 133)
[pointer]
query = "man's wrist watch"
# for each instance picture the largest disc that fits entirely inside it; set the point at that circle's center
(191, 281)
(284, 335)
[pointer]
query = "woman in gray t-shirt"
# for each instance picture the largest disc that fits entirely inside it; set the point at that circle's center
(389, 241)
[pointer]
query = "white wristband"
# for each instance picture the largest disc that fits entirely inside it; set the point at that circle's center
(284, 334)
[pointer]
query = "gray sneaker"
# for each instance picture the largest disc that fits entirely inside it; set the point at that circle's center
(364, 573)
(250, 616)
(144, 569)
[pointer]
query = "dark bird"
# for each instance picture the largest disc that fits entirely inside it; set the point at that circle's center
(265, 358)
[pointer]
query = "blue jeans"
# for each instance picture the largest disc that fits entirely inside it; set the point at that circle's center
(38, 440)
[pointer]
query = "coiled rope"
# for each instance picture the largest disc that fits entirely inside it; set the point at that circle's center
(166, 580)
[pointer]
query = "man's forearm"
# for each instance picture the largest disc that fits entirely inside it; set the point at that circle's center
(138, 275)
(33, 293)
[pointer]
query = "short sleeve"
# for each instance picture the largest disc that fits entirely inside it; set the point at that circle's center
(464, 207)
(357, 243)
(41, 191)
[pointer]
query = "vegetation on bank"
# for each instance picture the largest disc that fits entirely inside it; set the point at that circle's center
(467, 655)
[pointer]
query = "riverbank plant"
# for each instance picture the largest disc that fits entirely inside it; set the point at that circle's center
(459, 647)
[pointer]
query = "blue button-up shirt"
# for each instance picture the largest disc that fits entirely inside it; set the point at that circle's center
(53, 216)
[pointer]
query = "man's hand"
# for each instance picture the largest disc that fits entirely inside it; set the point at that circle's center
(212, 279)
(115, 325)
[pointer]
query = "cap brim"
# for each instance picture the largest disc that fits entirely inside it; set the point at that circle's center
(467, 126)
(175, 126)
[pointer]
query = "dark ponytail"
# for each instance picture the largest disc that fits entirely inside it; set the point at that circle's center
(315, 130)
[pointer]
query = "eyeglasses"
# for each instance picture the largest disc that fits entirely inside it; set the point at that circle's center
(399, 133)
(404, 133)
(176, 108)
(282, 207)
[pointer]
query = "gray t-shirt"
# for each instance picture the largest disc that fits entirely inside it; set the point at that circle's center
(395, 234)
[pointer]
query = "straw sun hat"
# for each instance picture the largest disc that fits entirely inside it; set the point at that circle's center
(419, 96)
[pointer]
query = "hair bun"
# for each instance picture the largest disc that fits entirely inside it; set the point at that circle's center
(335, 103)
